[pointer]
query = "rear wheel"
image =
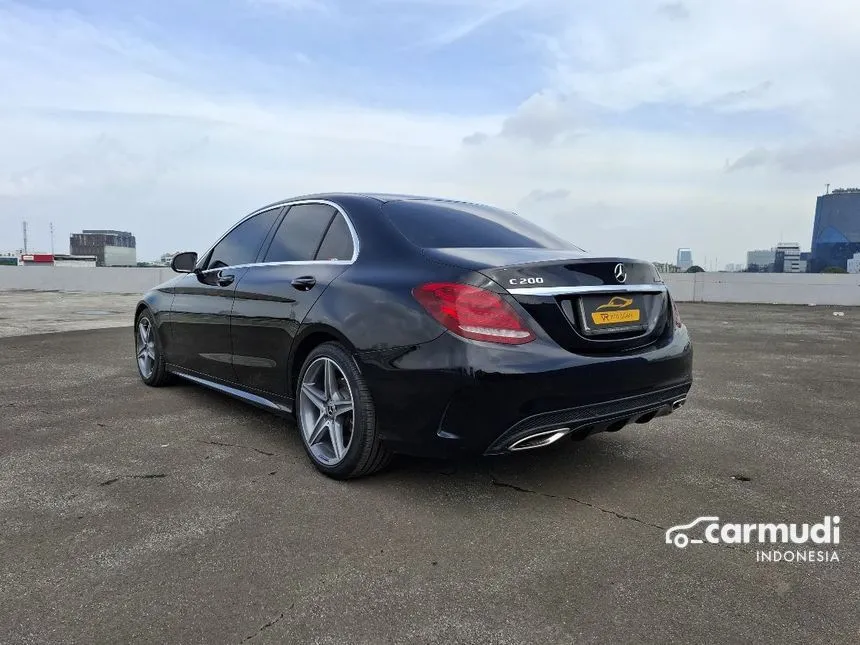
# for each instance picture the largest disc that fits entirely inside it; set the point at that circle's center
(150, 359)
(336, 416)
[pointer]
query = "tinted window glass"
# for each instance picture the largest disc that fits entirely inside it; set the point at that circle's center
(242, 244)
(441, 225)
(300, 233)
(337, 244)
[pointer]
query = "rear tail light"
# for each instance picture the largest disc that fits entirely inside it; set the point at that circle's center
(473, 313)
(676, 315)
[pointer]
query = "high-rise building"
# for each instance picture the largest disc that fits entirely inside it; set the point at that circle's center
(836, 232)
(111, 248)
(685, 259)
(788, 258)
(761, 260)
(853, 264)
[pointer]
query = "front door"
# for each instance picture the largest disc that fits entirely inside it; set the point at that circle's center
(199, 325)
(312, 246)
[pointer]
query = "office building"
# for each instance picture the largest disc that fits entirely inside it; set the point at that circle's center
(853, 264)
(761, 260)
(836, 231)
(788, 258)
(111, 248)
(685, 259)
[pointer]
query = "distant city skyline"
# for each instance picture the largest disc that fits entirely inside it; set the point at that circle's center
(713, 264)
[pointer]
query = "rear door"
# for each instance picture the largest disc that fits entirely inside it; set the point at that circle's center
(312, 246)
(199, 324)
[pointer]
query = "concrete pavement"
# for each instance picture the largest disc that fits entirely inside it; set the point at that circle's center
(42, 312)
(131, 514)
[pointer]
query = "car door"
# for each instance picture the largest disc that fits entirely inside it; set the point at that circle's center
(200, 315)
(312, 246)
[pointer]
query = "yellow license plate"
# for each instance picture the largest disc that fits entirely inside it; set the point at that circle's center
(611, 317)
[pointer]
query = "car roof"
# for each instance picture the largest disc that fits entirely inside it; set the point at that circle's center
(383, 198)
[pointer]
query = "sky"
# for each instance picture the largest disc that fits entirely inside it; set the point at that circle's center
(629, 127)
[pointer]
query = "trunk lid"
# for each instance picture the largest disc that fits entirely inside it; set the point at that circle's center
(590, 305)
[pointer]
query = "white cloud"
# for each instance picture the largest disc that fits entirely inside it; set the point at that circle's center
(481, 14)
(741, 63)
(103, 128)
(800, 52)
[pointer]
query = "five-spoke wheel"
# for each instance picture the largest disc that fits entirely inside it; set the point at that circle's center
(145, 347)
(325, 406)
(335, 414)
(150, 362)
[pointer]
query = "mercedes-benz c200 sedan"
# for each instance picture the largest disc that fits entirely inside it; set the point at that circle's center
(390, 323)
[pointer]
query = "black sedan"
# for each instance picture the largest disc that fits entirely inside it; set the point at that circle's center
(391, 323)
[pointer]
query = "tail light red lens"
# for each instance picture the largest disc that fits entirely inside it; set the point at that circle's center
(676, 315)
(473, 313)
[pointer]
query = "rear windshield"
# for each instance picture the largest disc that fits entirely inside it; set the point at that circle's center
(441, 225)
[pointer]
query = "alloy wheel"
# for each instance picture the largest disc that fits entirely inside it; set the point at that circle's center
(326, 411)
(145, 346)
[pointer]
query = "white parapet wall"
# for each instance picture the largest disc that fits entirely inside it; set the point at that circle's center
(768, 288)
(83, 279)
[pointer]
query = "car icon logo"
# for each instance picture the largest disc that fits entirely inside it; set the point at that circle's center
(620, 273)
(680, 539)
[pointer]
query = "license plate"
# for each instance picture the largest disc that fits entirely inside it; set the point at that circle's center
(617, 316)
(608, 313)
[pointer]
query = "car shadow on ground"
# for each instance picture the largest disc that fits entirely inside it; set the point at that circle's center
(568, 461)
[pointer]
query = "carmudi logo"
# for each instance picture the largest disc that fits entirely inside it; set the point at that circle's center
(708, 529)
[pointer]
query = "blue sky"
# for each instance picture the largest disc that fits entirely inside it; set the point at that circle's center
(635, 126)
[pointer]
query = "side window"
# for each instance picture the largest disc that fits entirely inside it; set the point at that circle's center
(242, 244)
(300, 233)
(337, 244)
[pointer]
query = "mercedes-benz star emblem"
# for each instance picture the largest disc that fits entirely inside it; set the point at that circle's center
(620, 273)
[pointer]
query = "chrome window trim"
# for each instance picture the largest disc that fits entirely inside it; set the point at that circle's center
(606, 288)
(288, 204)
(276, 264)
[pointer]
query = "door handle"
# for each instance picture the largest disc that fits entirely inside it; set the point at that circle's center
(304, 283)
(225, 280)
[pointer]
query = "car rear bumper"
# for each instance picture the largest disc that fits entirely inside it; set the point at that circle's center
(608, 416)
(452, 396)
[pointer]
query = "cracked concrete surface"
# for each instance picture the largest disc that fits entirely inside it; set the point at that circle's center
(130, 514)
(520, 489)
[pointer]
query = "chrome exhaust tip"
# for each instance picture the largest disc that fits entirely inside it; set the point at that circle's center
(677, 404)
(539, 440)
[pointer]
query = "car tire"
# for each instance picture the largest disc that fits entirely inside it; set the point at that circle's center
(336, 417)
(149, 355)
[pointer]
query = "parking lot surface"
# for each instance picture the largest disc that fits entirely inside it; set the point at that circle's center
(42, 312)
(176, 515)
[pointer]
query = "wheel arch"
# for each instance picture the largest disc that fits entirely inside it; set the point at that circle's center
(141, 307)
(309, 339)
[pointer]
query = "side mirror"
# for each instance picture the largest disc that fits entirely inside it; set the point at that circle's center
(184, 262)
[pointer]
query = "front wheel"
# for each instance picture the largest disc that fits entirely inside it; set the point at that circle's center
(150, 358)
(336, 417)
